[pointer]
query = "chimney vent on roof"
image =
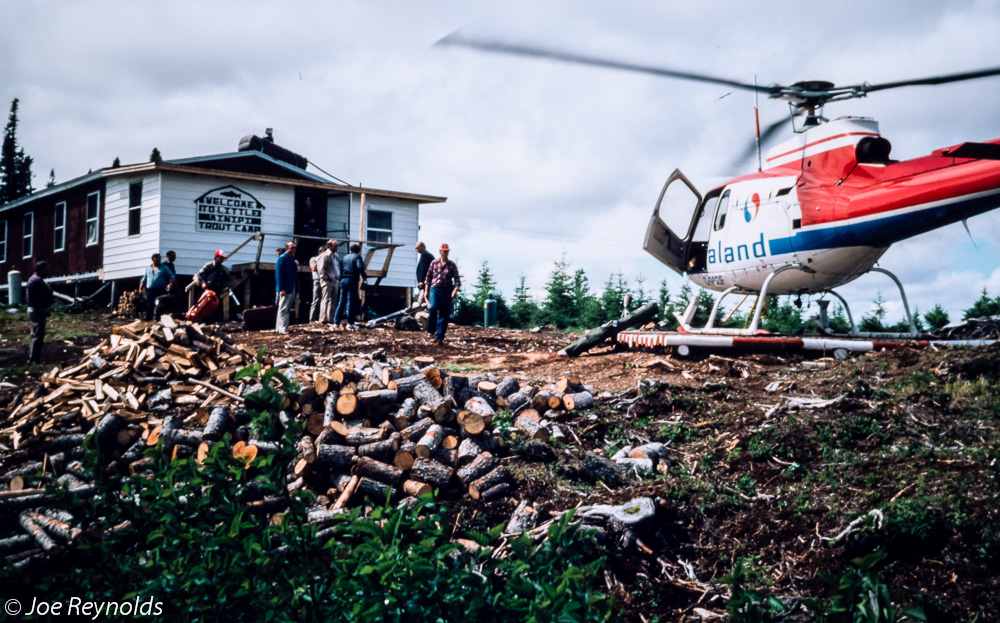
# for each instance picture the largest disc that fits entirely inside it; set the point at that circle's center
(267, 146)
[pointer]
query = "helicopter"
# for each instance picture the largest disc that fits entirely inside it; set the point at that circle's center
(821, 209)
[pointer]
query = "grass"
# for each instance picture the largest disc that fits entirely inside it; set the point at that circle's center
(15, 327)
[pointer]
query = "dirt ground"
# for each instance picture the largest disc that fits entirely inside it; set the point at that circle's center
(783, 465)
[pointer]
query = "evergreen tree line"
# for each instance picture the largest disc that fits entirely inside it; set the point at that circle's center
(569, 302)
(15, 164)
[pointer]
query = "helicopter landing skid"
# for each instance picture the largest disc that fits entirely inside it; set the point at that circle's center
(753, 328)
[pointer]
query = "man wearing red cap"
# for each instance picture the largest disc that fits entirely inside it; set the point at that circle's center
(215, 276)
(440, 287)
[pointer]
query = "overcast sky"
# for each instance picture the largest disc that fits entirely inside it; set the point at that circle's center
(537, 158)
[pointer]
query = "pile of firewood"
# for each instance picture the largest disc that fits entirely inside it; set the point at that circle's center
(131, 304)
(369, 430)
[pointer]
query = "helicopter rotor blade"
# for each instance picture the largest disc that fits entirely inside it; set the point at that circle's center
(968, 75)
(751, 150)
(456, 39)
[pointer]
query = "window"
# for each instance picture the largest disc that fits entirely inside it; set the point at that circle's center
(3, 241)
(59, 227)
(93, 217)
(29, 234)
(134, 208)
(720, 212)
(379, 226)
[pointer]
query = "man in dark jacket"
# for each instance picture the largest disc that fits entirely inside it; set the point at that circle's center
(39, 301)
(215, 276)
(424, 259)
(352, 272)
(285, 274)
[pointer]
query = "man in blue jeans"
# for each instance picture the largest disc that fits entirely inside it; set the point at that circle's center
(440, 287)
(352, 272)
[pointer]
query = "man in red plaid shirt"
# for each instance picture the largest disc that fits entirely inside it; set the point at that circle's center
(440, 287)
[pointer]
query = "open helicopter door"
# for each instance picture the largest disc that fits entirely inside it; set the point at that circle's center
(674, 212)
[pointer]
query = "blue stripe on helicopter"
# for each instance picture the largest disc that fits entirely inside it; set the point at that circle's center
(883, 231)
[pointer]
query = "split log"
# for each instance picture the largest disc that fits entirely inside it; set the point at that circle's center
(431, 472)
(16, 543)
(376, 470)
(430, 441)
(578, 401)
(477, 468)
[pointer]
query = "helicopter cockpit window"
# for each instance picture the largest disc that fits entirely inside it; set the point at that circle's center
(720, 211)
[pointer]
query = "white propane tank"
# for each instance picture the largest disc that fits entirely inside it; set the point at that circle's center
(14, 287)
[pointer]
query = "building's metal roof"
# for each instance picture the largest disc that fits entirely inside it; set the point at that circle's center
(196, 166)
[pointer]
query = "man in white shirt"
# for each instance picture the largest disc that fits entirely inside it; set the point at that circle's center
(317, 294)
(329, 269)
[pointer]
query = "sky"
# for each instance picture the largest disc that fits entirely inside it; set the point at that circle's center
(539, 160)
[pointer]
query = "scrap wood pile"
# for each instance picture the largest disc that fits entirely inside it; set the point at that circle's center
(368, 430)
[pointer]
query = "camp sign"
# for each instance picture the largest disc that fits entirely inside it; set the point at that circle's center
(228, 210)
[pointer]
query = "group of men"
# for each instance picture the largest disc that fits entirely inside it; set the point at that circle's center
(161, 289)
(334, 280)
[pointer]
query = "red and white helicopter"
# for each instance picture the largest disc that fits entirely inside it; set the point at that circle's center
(821, 209)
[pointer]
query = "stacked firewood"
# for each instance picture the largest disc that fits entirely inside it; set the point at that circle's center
(369, 430)
(131, 304)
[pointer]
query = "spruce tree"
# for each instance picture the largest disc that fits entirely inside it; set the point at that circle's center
(52, 179)
(15, 166)
(558, 306)
(117, 163)
(154, 156)
(524, 308)
(983, 307)
(936, 318)
(874, 321)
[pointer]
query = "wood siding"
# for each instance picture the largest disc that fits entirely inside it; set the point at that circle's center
(124, 255)
(405, 214)
(76, 257)
(178, 226)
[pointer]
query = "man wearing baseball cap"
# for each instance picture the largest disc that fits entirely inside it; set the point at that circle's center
(440, 287)
(215, 276)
